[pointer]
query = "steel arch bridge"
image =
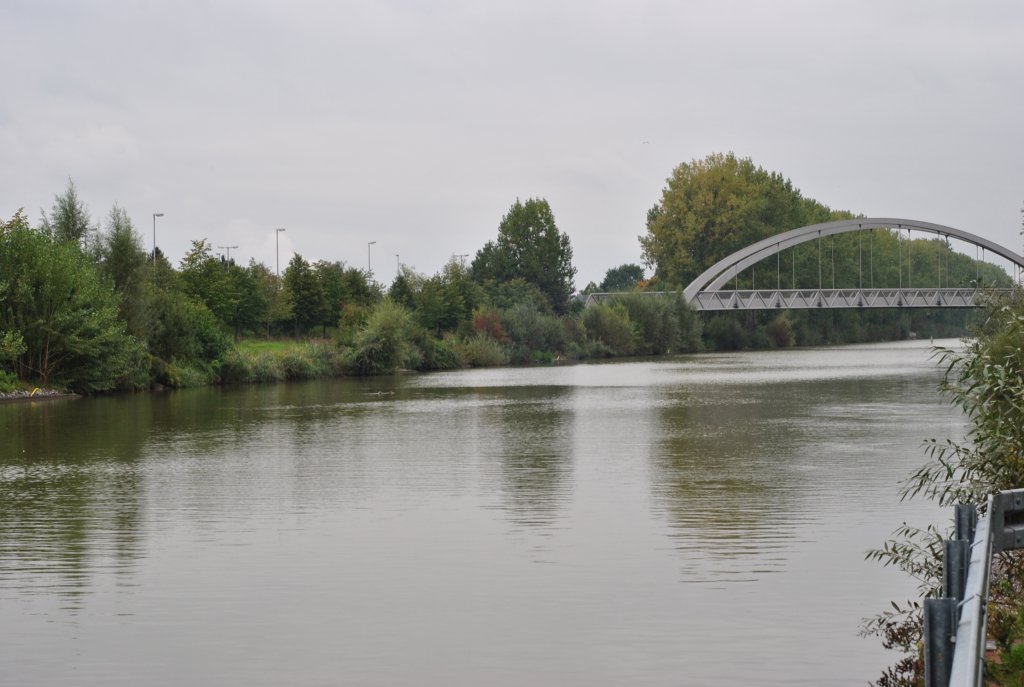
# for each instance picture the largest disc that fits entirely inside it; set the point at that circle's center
(706, 291)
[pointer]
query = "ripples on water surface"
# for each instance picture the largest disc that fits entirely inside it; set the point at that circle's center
(696, 520)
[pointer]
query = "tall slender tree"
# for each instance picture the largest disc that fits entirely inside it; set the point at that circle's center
(68, 220)
(123, 259)
(305, 293)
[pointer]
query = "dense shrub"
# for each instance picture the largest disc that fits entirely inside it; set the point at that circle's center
(577, 346)
(481, 350)
(609, 325)
(264, 368)
(780, 332)
(8, 381)
(660, 324)
(487, 321)
(326, 358)
(234, 368)
(531, 330)
(436, 354)
(725, 333)
(385, 344)
(296, 363)
(310, 360)
(184, 329)
(655, 320)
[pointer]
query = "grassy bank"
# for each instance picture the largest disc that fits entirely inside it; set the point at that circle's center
(262, 362)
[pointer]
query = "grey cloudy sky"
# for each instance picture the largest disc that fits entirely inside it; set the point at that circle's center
(417, 124)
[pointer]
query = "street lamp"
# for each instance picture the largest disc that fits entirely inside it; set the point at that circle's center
(277, 250)
(369, 266)
(227, 249)
(398, 266)
(155, 215)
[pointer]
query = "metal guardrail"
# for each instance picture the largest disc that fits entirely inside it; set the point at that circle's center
(954, 625)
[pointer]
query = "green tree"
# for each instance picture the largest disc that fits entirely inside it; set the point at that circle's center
(251, 301)
(342, 287)
(204, 278)
(234, 294)
(331, 276)
(65, 314)
(277, 315)
(306, 295)
(68, 220)
(404, 288)
(446, 300)
(622, 278)
(715, 206)
(530, 247)
(508, 294)
(123, 259)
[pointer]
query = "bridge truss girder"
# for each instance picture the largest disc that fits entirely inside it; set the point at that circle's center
(810, 299)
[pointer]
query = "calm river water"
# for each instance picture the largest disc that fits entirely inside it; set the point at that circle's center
(687, 521)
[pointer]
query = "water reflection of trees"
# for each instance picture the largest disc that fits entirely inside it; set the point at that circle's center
(529, 434)
(70, 492)
(724, 480)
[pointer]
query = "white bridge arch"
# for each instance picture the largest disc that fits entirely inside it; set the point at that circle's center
(705, 292)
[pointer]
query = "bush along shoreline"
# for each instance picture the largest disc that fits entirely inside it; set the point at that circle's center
(389, 341)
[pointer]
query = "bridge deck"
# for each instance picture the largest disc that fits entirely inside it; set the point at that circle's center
(783, 299)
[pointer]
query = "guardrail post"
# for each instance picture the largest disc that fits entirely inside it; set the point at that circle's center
(939, 627)
(966, 521)
(956, 556)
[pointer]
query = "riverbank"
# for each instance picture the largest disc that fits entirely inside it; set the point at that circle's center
(276, 361)
(36, 394)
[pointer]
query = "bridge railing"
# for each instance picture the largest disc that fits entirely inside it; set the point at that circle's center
(809, 299)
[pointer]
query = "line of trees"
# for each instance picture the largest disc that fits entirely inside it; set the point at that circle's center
(86, 307)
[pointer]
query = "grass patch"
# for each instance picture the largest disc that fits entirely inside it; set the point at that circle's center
(247, 346)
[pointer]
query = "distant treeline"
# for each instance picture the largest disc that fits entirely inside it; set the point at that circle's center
(86, 308)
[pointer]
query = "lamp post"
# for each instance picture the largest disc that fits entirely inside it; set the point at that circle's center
(369, 265)
(155, 215)
(227, 250)
(277, 250)
(398, 266)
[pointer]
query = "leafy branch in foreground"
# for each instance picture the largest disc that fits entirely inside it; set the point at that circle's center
(986, 381)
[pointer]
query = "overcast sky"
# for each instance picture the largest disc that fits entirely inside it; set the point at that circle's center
(417, 124)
